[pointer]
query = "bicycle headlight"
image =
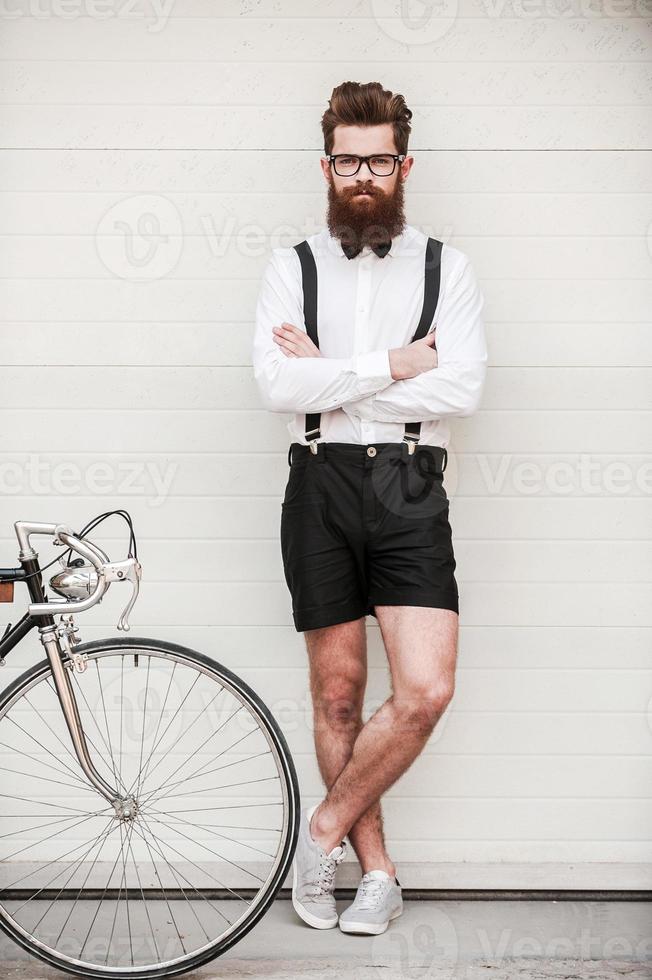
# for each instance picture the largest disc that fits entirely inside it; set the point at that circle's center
(75, 581)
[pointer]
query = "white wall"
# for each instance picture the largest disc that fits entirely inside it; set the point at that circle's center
(532, 136)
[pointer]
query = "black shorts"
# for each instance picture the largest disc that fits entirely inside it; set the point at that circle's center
(364, 525)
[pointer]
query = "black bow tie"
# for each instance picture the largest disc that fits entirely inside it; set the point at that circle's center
(381, 249)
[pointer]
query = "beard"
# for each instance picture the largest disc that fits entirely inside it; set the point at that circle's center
(377, 219)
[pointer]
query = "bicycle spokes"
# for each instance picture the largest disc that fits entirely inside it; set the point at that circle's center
(184, 854)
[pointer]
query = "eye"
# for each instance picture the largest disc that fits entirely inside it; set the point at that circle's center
(382, 161)
(347, 161)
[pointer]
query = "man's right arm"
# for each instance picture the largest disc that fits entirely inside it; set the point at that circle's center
(305, 384)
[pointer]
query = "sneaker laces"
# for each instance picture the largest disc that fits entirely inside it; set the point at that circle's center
(370, 892)
(326, 872)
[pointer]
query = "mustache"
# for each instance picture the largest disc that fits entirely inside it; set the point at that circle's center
(349, 192)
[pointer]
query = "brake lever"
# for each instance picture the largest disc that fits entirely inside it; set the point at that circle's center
(122, 571)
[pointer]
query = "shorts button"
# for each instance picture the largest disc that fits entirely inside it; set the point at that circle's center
(371, 451)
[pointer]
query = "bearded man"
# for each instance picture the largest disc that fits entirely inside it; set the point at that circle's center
(345, 343)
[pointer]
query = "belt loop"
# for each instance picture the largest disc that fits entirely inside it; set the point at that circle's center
(320, 455)
(444, 459)
(290, 455)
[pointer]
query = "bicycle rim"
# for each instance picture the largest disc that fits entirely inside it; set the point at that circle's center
(195, 852)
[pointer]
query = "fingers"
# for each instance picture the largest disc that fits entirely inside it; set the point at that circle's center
(428, 340)
(286, 336)
(288, 332)
(294, 342)
(288, 347)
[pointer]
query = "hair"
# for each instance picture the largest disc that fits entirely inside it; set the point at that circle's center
(366, 104)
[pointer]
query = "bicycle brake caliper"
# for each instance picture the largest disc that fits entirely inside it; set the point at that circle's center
(66, 631)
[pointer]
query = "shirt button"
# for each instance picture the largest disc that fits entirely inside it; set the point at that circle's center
(371, 451)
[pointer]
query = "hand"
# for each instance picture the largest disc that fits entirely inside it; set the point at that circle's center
(295, 342)
(417, 357)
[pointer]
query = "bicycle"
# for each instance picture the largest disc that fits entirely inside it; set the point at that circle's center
(115, 861)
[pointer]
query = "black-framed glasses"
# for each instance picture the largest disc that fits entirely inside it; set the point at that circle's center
(380, 164)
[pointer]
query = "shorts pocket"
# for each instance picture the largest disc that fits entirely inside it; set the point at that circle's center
(301, 484)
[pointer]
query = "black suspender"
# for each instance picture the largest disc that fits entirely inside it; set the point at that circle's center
(309, 279)
(432, 279)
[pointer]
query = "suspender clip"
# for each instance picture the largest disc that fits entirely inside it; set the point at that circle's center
(411, 443)
(313, 442)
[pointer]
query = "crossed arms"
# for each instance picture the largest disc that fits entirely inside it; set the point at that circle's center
(297, 378)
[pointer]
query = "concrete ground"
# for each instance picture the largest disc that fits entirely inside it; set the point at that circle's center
(456, 940)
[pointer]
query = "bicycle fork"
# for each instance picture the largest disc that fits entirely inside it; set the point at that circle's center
(50, 636)
(60, 640)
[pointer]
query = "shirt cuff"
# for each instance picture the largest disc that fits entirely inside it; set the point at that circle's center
(374, 365)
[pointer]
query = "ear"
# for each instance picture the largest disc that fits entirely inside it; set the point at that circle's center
(406, 166)
(325, 168)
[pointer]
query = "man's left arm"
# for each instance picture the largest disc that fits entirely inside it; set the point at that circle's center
(455, 386)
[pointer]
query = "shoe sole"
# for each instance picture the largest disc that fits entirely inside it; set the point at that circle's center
(369, 928)
(311, 920)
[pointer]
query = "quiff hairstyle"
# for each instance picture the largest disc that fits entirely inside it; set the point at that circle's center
(366, 104)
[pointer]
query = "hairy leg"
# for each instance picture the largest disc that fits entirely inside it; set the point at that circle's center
(421, 644)
(338, 678)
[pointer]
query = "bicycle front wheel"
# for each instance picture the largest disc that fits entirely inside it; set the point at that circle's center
(193, 855)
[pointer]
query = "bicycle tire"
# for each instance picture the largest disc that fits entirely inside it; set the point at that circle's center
(93, 649)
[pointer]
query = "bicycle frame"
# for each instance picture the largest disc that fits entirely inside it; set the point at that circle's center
(57, 640)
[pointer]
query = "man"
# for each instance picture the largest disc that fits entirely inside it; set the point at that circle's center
(364, 525)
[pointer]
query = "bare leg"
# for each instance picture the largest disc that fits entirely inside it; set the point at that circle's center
(338, 677)
(421, 644)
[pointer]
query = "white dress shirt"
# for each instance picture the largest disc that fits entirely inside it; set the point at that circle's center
(365, 307)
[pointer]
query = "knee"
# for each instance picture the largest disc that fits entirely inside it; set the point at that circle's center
(339, 702)
(421, 705)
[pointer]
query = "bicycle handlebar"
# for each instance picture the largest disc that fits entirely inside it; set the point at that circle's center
(107, 571)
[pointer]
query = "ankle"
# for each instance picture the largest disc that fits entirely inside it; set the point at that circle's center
(323, 831)
(379, 864)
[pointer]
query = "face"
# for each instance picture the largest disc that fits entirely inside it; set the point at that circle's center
(365, 141)
(365, 208)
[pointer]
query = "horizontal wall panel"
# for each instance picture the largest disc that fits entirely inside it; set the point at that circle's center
(515, 518)
(151, 479)
(225, 84)
(312, 40)
(535, 344)
(253, 649)
(523, 431)
(256, 216)
(571, 777)
(510, 299)
(78, 260)
(223, 127)
(243, 560)
(483, 603)
(287, 172)
(229, 12)
(214, 388)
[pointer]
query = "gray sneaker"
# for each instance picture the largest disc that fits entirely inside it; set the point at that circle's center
(313, 881)
(377, 901)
